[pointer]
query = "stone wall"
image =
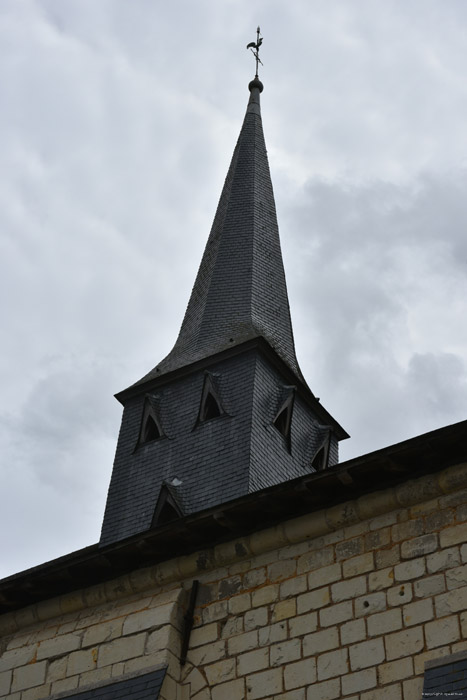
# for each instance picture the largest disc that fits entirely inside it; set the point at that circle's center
(346, 603)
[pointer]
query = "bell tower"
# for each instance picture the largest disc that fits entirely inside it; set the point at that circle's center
(228, 411)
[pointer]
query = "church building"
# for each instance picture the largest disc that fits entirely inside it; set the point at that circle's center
(238, 559)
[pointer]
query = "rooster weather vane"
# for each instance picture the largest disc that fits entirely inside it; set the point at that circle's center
(254, 46)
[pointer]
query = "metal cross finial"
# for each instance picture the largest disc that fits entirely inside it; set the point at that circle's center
(255, 49)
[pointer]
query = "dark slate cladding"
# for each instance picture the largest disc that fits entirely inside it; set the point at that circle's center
(216, 461)
(448, 680)
(240, 291)
(145, 687)
(211, 458)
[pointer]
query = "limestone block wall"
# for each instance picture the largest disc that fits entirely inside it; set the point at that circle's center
(345, 603)
(94, 645)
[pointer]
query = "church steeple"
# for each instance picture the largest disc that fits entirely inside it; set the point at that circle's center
(240, 292)
(227, 412)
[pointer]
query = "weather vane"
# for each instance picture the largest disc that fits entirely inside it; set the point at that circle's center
(255, 49)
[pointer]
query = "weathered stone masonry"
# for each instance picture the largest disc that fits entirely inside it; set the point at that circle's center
(349, 603)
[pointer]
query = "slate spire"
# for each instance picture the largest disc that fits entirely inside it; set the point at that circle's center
(227, 412)
(240, 291)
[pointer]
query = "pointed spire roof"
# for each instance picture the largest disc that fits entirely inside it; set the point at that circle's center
(240, 291)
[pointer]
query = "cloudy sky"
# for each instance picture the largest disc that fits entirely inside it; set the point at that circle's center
(117, 123)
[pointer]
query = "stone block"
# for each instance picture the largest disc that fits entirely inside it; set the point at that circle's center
(325, 575)
(255, 618)
(254, 578)
(379, 580)
(349, 548)
(313, 600)
(220, 672)
(366, 654)
(430, 586)
(303, 624)
(361, 564)
(384, 520)
(315, 560)
(395, 670)
(233, 690)
(204, 634)
(207, 653)
(358, 681)
(420, 660)
(228, 587)
(351, 588)
(450, 602)
(399, 595)
(442, 632)
(413, 688)
(384, 622)
(320, 641)
(455, 578)
(17, 657)
(389, 556)
(377, 539)
(121, 649)
(418, 612)
(102, 633)
(280, 570)
(453, 535)
(406, 530)
(58, 646)
(329, 690)
(353, 631)
(285, 652)
(215, 611)
(231, 627)
(300, 674)
(284, 609)
(369, 604)
(273, 633)
(81, 661)
(336, 614)
(404, 643)
(252, 661)
(195, 680)
(239, 603)
(389, 692)
(38, 693)
(5, 682)
(264, 683)
(265, 595)
(409, 570)
(446, 559)
(243, 642)
(332, 663)
(298, 694)
(419, 546)
(29, 676)
(66, 685)
(57, 669)
(293, 587)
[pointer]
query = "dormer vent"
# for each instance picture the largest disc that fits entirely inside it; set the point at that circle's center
(151, 426)
(211, 406)
(283, 419)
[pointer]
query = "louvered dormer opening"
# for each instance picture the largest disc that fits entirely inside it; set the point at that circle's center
(151, 425)
(150, 430)
(283, 420)
(319, 460)
(211, 406)
(210, 409)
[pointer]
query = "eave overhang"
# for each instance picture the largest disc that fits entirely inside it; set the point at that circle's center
(376, 471)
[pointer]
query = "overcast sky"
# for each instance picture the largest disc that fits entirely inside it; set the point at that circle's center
(117, 124)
